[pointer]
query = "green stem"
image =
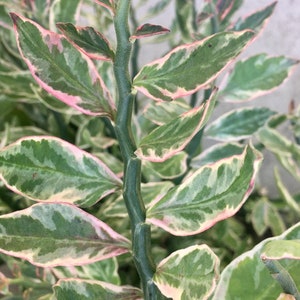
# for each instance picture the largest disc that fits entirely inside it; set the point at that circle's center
(29, 283)
(141, 235)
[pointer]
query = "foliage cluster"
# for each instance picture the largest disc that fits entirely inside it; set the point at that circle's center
(106, 191)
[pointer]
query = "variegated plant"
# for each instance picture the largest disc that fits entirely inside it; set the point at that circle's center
(101, 165)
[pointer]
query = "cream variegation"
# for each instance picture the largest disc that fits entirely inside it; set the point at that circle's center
(45, 168)
(168, 139)
(189, 273)
(58, 234)
(61, 70)
(190, 67)
(211, 194)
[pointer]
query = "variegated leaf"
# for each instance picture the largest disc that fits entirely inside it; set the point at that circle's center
(215, 153)
(87, 40)
(224, 7)
(77, 289)
(256, 76)
(213, 193)
(147, 30)
(264, 216)
(190, 67)
(256, 20)
(239, 280)
(11, 134)
(52, 103)
(163, 112)
(61, 70)
(285, 194)
(106, 3)
(103, 270)
(169, 169)
(64, 11)
(50, 169)
(58, 234)
(186, 19)
(189, 273)
(277, 250)
(15, 85)
(239, 124)
(287, 152)
(168, 139)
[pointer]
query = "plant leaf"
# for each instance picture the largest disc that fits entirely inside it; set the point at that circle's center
(190, 273)
(224, 7)
(163, 112)
(104, 270)
(265, 216)
(285, 194)
(87, 40)
(213, 193)
(256, 76)
(239, 124)
(58, 234)
(168, 139)
(215, 153)
(277, 250)
(190, 67)
(287, 152)
(185, 18)
(239, 280)
(64, 11)
(50, 169)
(77, 289)
(147, 30)
(169, 169)
(106, 3)
(256, 20)
(61, 70)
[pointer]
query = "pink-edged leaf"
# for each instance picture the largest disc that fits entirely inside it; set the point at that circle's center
(163, 112)
(46, 168)
(224, 8)
(110, 4)
(87, 40)
(257, 20)
(214, 153)
(90, 289)
(256, 76)
(189, 273)
(190, 67)
(61, 70)
(213, 193)
(168, 139)
(58, 234)
(147, 30)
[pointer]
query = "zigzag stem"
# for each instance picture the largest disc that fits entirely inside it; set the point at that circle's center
(141, 234)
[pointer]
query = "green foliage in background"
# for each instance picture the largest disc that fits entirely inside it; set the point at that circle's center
(107, 190)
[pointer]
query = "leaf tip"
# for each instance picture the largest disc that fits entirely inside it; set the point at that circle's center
(14, 17)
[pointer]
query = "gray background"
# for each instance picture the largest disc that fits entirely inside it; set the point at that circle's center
(281, 36)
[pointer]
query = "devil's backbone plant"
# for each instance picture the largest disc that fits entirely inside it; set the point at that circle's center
(103, 159)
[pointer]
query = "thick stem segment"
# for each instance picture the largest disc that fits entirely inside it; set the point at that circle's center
(141, 235)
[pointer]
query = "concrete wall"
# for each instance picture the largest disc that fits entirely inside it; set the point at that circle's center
(281, 36)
